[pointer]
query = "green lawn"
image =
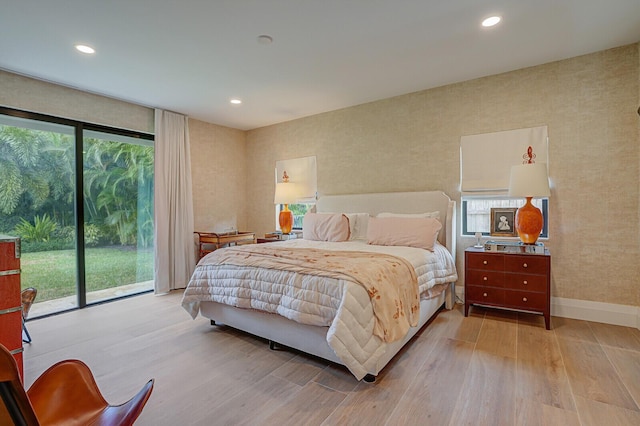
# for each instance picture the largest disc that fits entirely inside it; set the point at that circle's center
(53, 273)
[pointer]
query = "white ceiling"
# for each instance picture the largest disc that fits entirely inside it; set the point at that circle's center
(193, 56)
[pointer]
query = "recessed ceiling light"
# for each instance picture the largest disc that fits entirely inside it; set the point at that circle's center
(265, 39)
(85, 49)
(235, 101)
(491, 21)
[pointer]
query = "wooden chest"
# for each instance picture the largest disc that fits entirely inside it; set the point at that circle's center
(10, 300)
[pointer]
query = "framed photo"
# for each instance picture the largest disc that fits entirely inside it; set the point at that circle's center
(503, 221)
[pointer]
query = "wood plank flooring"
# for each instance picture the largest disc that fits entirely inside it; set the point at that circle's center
(491, 368)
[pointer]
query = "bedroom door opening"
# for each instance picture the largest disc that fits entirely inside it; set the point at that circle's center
(56, 174)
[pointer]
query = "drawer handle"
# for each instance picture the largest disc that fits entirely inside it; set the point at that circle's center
(525, 282)
(524, 265)
(484, 294)
(484, 262)
(524, 299)
(485, 278)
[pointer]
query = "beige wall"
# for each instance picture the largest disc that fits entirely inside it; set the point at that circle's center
(219, 173)
(411, 142)
(46, 98)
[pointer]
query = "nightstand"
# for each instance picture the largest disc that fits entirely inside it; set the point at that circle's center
(267, 240)
(516, 281)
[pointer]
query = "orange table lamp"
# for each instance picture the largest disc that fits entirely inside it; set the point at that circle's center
(529, 180)
(286, 193)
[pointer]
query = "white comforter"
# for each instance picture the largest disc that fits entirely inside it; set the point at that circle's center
(342, 305)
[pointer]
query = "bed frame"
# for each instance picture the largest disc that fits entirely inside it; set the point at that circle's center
(312, 339)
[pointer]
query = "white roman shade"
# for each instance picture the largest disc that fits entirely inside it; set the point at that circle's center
(486, 159)
(302, 172)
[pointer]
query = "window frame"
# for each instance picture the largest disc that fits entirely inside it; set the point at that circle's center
(295, 228)
(80, 130)
(464, 219)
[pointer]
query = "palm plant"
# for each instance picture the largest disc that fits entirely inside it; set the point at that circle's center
(41, 230)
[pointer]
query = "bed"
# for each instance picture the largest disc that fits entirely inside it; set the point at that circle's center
(346, 329)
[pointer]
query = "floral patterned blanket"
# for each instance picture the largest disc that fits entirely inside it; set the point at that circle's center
(390, 281)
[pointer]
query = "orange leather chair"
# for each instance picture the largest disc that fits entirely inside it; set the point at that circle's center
(65, 394)
(28, 296)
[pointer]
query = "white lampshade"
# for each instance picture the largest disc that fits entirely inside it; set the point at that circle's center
(529, 180)
(286, 193)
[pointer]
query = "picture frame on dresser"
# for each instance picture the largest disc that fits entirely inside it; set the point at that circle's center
(503, 221)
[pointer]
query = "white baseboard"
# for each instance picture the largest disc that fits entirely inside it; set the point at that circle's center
(608, 313)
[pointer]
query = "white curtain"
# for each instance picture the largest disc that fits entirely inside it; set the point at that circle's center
(173, 207)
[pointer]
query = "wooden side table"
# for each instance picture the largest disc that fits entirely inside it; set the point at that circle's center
(508, 280)
(211, 241)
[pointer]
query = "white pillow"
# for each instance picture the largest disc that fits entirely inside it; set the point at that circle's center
(325, 227)
(358, 223)
(404, 231)
(435, 215)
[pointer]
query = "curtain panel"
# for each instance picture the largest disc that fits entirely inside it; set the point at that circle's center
(173, 207)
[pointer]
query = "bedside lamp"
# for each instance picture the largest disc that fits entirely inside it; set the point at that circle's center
(286, 193)
(529, 180)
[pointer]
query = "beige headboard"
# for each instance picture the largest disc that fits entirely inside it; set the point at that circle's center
(398, 202)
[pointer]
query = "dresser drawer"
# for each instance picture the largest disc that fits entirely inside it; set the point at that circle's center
(485, 278)
(485, 261)
(525, 282)
(485, 295)
(9, 254)
(10, 291)
(527, 264)
(11, 328)
(526, 300)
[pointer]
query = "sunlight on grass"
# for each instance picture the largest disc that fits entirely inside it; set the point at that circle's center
(53, 273)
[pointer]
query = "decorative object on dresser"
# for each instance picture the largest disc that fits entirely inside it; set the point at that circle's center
(210, 241)
(10, 301)
(513, 247)
(503, 221)
(529, 180)
(286, 193)
(508, 280)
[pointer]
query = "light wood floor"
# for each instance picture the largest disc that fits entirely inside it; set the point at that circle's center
(492, 368)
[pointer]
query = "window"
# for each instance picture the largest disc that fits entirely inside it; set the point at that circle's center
(80, 197)
(298, 210)
(476, 213)
(485, 170)
(302, 172)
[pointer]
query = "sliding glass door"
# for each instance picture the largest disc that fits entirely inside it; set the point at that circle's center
(56, 174)
(37, 181)
(118, 215)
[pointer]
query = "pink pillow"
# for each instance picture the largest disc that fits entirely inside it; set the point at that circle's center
(403, 231)
(325, 227)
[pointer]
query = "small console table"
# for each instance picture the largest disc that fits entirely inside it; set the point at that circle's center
(210, 241)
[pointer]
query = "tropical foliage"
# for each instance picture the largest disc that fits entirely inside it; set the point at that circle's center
(41, 230)
(37, 188)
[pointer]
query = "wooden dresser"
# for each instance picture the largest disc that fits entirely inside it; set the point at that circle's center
(10, 300)
(508, 280)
